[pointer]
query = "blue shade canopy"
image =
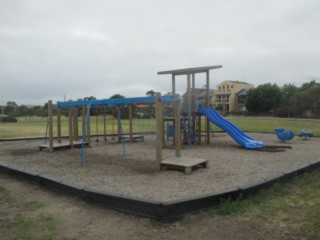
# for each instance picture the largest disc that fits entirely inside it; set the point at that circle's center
(117, 101)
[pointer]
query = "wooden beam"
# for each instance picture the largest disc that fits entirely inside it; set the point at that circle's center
(88, 129)
(118, 123)
(159, 131)
(83, 117)
(70, 113)
(173, 85)
(130, 123)
(50, 125)
(75, 124)
(185, 71)
(207, 105)
(199, 129)
(177, 127)
(59, 124)
(193, 97)
(189, 95)
(104, 124)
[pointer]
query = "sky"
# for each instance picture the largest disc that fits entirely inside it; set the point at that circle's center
(70, 49)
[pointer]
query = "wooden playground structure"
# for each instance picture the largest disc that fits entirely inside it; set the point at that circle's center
(191, 122)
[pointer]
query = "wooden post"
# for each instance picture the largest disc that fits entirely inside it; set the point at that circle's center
(83, 118)
(130, 123)
(159, 130)
(59, 124)
(193, 104)
(165, 128)
(118, 123)
(97, 124)
(199, 129)
(104, 124)
(194, 97)
(207, 105)
(177, 127)
(189, 109)
(50, 126)
(75, 124)
(173, 85)
(88, 130)
(70, 113)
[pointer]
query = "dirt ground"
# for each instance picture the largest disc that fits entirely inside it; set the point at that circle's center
(228, 165)
(79, 220)
(134, 175)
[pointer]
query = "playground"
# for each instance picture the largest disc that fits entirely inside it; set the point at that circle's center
(135, 175)
(151, 172)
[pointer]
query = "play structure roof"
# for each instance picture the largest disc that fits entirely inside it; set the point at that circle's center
(185, 71)
(116, 101)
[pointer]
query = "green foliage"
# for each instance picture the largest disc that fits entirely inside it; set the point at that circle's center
(117, 96)
(151, 93)
(241, 206)
(286, 101)
(264, 98)
(288, 92)
(9, 119)
(89, 98)
(295, 203)
(307, 98)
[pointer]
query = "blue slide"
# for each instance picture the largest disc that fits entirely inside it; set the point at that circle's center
(237, 135)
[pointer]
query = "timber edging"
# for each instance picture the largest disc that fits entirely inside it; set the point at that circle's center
(160, 211)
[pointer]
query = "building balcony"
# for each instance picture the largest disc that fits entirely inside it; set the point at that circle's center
(221, 101)
(223, 92)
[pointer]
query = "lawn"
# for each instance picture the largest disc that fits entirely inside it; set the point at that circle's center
(291, 207)
(36, 126)
(23, 219)
(287, 210)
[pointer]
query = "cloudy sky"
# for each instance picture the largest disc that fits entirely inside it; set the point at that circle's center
(77, 48)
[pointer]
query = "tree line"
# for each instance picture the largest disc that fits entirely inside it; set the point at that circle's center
(285, 101)
(12, 110)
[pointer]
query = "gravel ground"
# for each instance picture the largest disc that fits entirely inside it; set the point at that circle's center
(135, 175)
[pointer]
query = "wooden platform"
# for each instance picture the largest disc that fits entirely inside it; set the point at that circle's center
(63, 145)
(184, 163)
(134, 138)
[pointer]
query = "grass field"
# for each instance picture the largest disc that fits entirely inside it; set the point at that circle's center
(36, 126)
(292, 208)
(23, 219)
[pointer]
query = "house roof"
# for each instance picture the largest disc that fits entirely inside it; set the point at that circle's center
(238, 82)
(242, 92)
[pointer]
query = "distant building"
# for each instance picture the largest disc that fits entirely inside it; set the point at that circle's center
(194, 94)
(231, 96)
(198, 98)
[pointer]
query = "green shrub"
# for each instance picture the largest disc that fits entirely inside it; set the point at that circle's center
(9, 119)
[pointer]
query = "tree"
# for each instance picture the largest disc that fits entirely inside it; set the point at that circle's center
(151, 93)
(117, 96)
(264, 99)
(307, 98)
(11, 107)
(288, 92)
(89, 98)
